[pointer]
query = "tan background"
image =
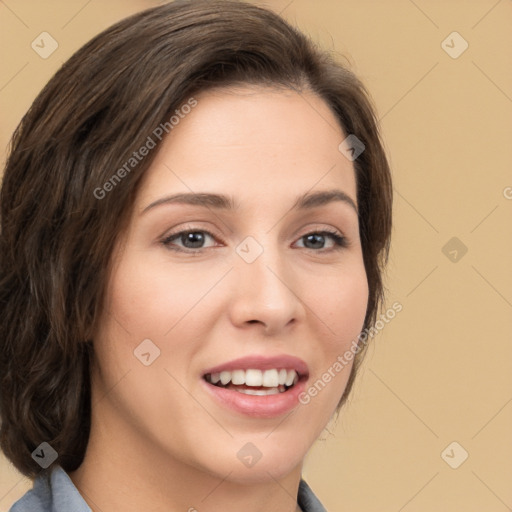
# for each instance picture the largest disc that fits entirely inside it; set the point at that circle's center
(441, 371)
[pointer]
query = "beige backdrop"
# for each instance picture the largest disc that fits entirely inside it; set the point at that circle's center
(437, 382)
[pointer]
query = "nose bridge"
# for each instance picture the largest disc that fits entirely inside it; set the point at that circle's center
(265, 283)
(264, 262)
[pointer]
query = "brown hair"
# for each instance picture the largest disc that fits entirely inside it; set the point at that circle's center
(57, 237)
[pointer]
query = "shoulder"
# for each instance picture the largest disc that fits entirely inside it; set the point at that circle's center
(307, 500)
(52, 491)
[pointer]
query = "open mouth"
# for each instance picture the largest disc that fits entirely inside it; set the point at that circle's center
(256, 382)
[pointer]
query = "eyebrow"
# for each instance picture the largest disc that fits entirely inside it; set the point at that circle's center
(222, 202)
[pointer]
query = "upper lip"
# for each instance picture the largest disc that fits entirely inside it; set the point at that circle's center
(259, 362)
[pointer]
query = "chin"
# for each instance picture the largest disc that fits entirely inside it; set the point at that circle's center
(258, 474)
(247, 464)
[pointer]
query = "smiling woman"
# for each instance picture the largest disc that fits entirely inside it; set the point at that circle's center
(155, 340)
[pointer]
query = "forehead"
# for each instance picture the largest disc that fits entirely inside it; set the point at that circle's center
(253, 142)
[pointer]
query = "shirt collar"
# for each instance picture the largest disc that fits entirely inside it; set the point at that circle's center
(54, 491)
(307, 500)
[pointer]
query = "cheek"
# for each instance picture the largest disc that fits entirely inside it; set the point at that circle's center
(143, 305)
(152, 299)
(341, 313)
(342, 310)
(342, 304)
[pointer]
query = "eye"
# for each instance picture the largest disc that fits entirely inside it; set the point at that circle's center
(192, 240)
(318, 237)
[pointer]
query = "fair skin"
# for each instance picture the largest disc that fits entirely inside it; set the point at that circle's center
(159, 441)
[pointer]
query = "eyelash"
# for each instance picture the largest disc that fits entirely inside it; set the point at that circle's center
(340, 241)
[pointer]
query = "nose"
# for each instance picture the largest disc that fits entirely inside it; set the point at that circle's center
(265, 292)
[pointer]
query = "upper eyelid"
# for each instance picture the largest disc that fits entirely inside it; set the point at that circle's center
(190, 228)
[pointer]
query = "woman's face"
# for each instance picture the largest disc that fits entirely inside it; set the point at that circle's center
(258, 291)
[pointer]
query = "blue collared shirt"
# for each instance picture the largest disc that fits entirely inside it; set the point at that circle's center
(54, 491)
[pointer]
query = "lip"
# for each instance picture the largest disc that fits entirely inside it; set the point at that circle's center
(255, 406)
(259, 362)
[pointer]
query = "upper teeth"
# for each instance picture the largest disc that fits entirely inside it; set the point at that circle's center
(268, 378)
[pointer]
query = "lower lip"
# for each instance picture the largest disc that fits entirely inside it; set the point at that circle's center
(266, 406)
